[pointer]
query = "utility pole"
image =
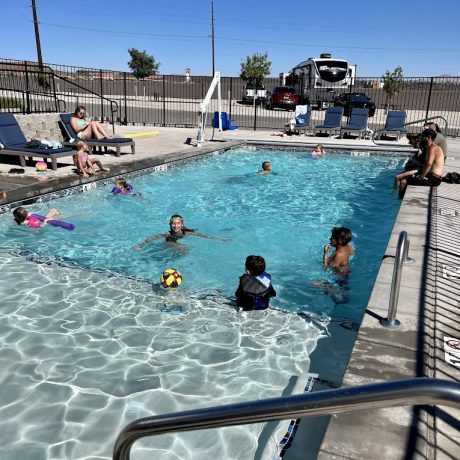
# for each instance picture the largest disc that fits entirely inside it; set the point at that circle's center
(37, 36)
(212, 35)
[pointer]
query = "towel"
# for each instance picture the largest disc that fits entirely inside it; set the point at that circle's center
(300, 110)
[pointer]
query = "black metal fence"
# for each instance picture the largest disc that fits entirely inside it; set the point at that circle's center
(172, 100)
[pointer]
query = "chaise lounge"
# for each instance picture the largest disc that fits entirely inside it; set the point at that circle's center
(358, 123)
(332, 120)
(14, 143)
(118, 142)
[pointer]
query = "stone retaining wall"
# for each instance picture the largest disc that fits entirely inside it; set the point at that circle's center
(40, 126)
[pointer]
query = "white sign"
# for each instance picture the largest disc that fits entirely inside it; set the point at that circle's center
(452, 351)
(451, 272)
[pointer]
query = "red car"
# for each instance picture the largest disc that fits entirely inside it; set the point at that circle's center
(283, 97)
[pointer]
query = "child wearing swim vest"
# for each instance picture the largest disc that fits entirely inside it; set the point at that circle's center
(255, 288)
(122, 187)
(319, 151)
(82, 161)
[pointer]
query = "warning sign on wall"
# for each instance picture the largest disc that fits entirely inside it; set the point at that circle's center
(452, 351)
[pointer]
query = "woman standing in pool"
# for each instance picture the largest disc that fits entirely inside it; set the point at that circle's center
(177, 230)
(86, 129)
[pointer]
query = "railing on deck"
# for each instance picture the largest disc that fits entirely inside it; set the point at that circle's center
(173, 100)
(373, 396)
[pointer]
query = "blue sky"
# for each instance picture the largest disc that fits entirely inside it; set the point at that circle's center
(421, 36)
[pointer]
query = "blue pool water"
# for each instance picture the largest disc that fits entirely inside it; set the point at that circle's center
(285, 217)
(88, 333)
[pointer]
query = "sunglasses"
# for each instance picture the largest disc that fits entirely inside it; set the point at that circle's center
(81, 113)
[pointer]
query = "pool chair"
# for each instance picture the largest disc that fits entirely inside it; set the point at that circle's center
(117, 143)
(302, 121)
(14, 143)
(394, 124)
(357, 124)
(332, 120)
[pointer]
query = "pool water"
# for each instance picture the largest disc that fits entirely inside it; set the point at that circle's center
(91, 340)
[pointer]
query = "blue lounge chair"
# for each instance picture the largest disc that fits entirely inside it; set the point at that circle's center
(332, 120)
(302, 122)
(14, 143)
(358, 122)
(117, 142)
(396, 119)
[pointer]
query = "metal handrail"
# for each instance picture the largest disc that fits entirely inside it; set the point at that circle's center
(372, 396)
(381, 130)
(402, 250)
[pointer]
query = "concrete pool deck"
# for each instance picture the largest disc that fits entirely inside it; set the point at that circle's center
(428, 302)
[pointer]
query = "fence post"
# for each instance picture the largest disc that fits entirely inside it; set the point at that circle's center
(429, 99)
(230, 96)
(102, 100)
(164, 100)
(27, 89)
(255, 110)
(125, 119)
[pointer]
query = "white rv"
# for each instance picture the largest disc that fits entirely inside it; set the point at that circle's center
(319, 80)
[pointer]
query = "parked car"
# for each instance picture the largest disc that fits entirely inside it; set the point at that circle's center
(283, 97)
(250, 91)
(351, 100)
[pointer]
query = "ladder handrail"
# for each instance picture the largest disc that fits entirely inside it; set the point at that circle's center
(381, 130)
(414, 391)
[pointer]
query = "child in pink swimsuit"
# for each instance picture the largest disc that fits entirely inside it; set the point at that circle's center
(82, 161)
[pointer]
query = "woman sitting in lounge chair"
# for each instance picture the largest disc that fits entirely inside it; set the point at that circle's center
(86, 129)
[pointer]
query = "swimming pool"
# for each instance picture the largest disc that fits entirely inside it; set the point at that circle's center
(89, 335)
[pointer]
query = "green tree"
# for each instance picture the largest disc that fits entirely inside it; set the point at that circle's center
(142, 64)
(392, 83)
(255, 68)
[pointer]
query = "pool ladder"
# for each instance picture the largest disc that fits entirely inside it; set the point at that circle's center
(407, 392)
(401, 257)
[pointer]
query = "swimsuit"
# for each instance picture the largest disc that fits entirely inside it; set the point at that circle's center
(431, 180)
(36, 220)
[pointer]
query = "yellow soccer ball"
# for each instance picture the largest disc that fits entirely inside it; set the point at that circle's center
(170, 278)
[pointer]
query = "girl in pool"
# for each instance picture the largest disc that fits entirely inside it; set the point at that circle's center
(319, 151)
(22, 217)
(177, 230)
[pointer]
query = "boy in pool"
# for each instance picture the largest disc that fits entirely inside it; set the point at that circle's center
(255, 288)
(266, 168)
(339, 259)
(177, 230)
(82, 161)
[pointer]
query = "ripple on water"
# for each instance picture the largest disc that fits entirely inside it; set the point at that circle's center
(76, 367)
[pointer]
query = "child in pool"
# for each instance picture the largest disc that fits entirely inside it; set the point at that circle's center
(82, 161)
(22, 217)
(177, 230)
(319, 151)
(122, 187)
(266, 168)
(338, 261)
(255, 288)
